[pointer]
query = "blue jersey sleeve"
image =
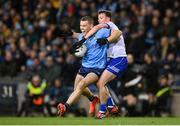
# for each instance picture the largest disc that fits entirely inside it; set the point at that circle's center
(103, 33)
(80, 37)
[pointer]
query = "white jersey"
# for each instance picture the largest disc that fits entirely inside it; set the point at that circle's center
(116, 49)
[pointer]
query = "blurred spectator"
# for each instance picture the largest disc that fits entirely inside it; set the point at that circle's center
(167, 28)
(8, 67)
(34, 96)
(57, 93)
(51, 70)
(177, 70)
(35, 69)
(150, 85)
(129, 91)
(30, 60)
(71, 68)
(150, 73)
(169, 64)
(163, 97)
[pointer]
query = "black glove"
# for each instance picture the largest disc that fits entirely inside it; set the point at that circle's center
(73, 48)
(102, 41)
(67, 33)
(61, 33)
(76, 45)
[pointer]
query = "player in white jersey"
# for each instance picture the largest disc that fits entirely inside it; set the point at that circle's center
(117, 61)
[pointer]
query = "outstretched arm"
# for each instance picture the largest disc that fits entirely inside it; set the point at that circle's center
(65, 33)
(95, 29)
(75, 35)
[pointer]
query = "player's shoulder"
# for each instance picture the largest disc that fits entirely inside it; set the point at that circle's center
(102, 30)
(110, 23)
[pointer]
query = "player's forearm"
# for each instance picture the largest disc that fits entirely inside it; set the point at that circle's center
(114, 36)
(75, 35)
(92, 31)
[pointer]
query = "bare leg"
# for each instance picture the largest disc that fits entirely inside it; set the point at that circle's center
(77, 80)
(89, 79)
(103, 91)
(86, 92)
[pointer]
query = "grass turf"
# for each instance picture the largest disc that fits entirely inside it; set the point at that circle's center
(89, 121)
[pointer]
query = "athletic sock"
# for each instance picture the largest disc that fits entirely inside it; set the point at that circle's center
(103, 108)
(67, 106)
(110, 102)
(91, 98)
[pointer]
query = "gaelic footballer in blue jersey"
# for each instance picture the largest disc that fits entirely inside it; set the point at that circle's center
(93, 63)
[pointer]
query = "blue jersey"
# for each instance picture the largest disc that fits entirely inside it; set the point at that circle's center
(96, 56)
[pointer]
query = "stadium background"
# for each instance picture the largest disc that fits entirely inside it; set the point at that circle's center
(30, 45)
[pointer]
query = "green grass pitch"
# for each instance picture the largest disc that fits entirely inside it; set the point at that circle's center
(89, 121)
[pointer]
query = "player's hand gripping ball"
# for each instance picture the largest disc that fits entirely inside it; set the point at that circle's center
(80, 52)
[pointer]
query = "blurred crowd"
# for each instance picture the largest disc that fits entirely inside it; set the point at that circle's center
(30, 45)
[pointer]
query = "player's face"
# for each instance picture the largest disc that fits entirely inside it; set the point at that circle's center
(102, 18)
(85, 26)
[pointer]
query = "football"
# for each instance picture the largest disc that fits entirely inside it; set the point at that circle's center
(80, 52)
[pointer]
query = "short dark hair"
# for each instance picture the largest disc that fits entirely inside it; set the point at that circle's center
(87, 18)
(106, 12)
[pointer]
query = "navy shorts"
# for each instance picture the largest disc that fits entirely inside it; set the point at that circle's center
(84, 71)
(117, 65)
